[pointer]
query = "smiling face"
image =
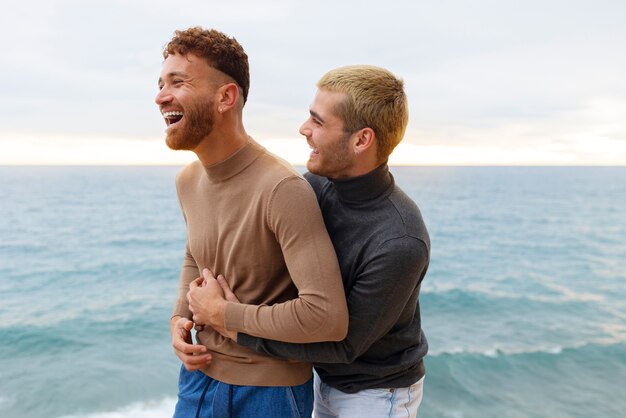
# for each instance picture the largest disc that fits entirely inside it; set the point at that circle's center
(332, 155)
(185, 99)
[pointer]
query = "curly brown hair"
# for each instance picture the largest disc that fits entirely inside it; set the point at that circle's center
(221, 52)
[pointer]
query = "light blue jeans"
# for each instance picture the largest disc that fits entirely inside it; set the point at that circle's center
(199, 395)
(379, 403)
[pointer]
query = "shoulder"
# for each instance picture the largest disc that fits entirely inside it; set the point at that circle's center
(273, 169)
(292, 191)
(314, 180)
(321, 185)
(292, 200)
(406, 249)
(283, 184)
(408, 216)
(189, 173)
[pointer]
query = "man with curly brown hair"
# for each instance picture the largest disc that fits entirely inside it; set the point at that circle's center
(249, 216)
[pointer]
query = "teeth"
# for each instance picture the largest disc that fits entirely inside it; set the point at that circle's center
(172, 114)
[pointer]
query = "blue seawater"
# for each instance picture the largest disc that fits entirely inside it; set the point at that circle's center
(523, 304)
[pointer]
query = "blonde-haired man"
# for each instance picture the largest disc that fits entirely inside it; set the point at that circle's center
(358, 116)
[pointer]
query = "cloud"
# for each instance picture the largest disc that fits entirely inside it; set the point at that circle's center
(478, 74)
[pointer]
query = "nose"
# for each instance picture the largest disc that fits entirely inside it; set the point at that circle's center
(305, 129)
(162, 97)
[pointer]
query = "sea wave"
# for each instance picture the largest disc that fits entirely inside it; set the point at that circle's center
(118, 308)
(559, 293)
(149, 409)
(574, 382)
(494, 352)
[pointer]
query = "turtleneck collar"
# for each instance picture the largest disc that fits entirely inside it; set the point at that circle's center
(235, 163)
(366, 187)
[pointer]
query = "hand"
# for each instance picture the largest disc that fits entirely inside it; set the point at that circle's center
(230, 296)
(206, 300)
(193, 356)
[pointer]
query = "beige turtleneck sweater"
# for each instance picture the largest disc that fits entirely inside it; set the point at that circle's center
(255, 220)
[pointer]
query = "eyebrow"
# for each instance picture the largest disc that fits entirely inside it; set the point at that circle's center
(316, 115)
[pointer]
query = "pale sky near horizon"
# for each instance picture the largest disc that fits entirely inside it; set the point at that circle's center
(489, 82)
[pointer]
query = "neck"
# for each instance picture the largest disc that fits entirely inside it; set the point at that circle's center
(224, 141)
(363, 163)
(365, 187)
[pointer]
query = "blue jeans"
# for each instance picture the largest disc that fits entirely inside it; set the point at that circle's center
(379, 403)
(215, 399)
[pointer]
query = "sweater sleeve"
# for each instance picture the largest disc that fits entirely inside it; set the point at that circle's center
(377, 299)
(188, 273)
(319, 313)
(189, 270)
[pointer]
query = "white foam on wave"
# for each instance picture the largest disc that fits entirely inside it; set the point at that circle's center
(571, 295)
(44, 315)
(150, 409)
(493, 352)
(562, 293)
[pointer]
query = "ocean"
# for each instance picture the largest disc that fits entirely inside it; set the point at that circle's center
(523, 305)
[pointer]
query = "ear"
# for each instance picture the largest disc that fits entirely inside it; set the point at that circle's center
(365, 140)
(227, 97)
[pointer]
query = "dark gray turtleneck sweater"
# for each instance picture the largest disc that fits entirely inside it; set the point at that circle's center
(383, 249)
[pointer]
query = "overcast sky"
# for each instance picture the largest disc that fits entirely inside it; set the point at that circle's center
(489, 82)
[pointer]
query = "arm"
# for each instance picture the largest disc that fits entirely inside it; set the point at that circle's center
(193, 356)
(375, 302)
(319, 313)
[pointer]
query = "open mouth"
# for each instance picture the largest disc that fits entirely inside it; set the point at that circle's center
(172, 117)
(314, 151)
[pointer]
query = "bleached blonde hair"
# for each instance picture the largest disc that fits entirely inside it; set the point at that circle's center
(375, 98)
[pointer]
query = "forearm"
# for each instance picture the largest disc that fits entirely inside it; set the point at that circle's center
(322, 352)
(189, 272)
(365, 327)
(302, 320)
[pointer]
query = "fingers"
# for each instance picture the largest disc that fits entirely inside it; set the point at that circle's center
(184, 324)
(228, 294)
(196, 283)
(184, 347)
(208, 274)
(188, 325)
(194, 361)
(193, 356)
(189, 299)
